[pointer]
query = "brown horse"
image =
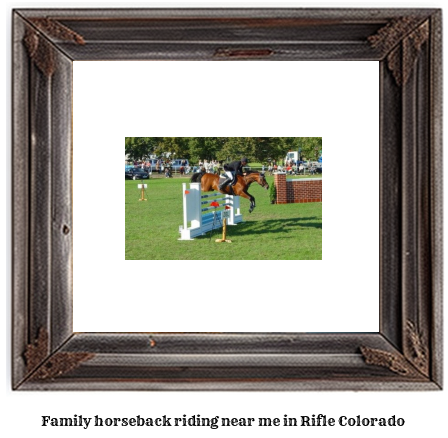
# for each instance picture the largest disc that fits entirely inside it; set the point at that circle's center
(209, 183)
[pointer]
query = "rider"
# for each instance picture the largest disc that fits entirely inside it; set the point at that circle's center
(232, 170)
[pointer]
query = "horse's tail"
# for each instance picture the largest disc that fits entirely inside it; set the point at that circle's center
(196, 177)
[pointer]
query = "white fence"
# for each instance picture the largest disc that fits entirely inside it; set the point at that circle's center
(201, 217)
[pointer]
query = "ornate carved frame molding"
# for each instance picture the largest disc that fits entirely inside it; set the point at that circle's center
(406, 354)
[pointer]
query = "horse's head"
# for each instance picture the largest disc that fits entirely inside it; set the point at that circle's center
(258, 177)
(262, 181)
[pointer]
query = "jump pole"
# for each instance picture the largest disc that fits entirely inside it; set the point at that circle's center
(142, 187)
(225, 215)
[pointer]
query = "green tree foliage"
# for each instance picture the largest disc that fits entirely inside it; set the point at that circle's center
(174, 147)
(234, 148)
(259, 149)
(206, 148)
(270, 148)
(310, 147)
(256, 149)
(140, 147)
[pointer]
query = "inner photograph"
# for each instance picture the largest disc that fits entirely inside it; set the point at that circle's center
(262, 194)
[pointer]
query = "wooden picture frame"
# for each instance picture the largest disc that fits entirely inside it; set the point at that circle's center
(406, 353)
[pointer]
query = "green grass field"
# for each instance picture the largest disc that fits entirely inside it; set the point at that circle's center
(270, 232)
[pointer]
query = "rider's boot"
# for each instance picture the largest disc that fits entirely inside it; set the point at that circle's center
(224, 184)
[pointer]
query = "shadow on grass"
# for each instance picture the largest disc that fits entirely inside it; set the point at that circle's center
(275, 226)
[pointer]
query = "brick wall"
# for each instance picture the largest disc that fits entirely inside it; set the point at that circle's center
(297, 190)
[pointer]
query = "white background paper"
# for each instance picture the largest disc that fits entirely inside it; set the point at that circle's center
(424, 412)
(338, 101)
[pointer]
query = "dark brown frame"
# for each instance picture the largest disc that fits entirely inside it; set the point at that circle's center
(406, 354)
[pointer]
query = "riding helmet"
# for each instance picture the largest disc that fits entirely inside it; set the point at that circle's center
(244, 160)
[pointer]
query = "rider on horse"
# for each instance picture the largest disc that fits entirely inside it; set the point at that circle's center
(232, 170)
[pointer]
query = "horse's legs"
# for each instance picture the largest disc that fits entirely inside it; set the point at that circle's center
(252, 204)
(246, 195)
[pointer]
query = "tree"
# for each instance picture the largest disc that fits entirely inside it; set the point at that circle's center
(233, 148)
(271, 148)
(205, 148)
(259, 149)
(138, 148)
(310, 147)
(174, 146)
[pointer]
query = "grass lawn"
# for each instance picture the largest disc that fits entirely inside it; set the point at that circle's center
(270, 232)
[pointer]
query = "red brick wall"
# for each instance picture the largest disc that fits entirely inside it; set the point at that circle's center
(297, 190)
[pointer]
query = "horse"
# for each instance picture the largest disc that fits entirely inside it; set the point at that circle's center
(210, 181)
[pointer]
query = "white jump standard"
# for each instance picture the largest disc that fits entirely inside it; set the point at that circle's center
(203, 219)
